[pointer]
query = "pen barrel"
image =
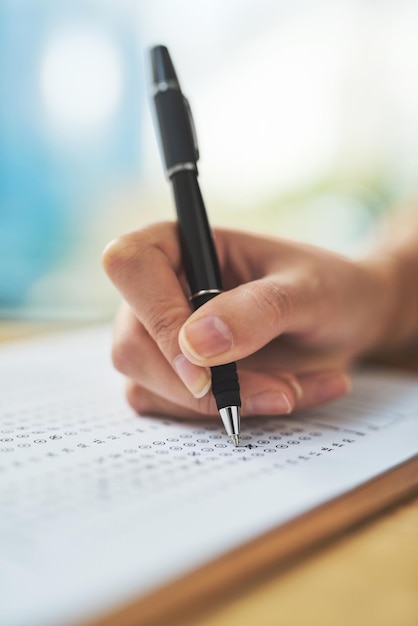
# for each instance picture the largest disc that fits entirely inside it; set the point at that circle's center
(202, 271)
(225, 383)
(198, 249)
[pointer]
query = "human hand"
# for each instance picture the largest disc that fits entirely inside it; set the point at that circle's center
(293, 316)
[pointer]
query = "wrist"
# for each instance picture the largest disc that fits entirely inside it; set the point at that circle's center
(396, 306)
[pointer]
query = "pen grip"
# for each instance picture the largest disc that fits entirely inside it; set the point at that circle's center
(225, 383)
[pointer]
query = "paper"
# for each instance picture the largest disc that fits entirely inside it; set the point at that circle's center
(99, 505)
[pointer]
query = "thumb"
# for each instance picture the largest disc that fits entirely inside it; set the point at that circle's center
(239, 322)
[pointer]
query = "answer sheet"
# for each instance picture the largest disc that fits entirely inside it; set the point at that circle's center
(99, 505)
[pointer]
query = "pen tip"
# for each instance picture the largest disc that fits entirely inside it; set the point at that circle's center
(236, 439)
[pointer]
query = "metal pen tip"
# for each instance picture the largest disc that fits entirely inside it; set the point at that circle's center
(230, 416)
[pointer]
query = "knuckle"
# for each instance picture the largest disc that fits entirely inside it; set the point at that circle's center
(140, 399)
(277, 302)
(124, 251)
(273, 302)
(136, 397)
(164, 325)
(115, 253)
(131, 247)
(122, 355)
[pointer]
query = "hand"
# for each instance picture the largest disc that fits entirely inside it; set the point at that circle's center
(292, 315)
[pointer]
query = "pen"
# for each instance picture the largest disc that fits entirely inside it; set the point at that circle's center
(178, 142)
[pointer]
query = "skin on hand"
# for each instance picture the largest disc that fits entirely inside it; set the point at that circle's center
(292, 315)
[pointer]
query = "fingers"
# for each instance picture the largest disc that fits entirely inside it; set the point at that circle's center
(145, 268)
(146, 402)
(155, 389)
(241, 321)
(321, 387)
(136, 355)
(283, 393)
(278, 399)
(315, 389)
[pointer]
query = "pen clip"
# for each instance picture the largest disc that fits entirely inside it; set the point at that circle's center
(192, 126)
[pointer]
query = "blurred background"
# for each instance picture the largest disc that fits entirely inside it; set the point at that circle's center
(306, 113)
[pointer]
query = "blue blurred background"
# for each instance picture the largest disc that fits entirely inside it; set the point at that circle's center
(306, 114)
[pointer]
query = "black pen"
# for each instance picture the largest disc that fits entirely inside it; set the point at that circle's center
(180, 154)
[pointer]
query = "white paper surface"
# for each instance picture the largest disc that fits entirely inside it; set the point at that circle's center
(99, 505)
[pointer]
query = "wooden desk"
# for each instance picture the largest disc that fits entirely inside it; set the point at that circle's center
(367, 577)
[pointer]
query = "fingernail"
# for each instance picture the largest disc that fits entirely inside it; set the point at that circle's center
(197, 379)
(296, 388)
(332, 386)
(206, 337)
(269, 403)
(294, 383)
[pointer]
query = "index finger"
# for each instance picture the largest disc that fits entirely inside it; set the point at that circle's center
(145, 266)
